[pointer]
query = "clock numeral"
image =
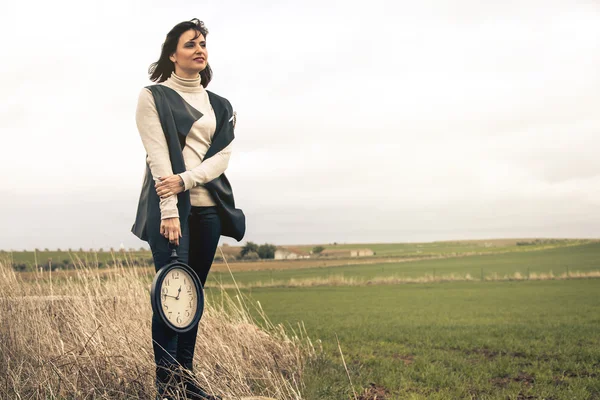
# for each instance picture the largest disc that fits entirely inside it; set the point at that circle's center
(179, 319)
(168, 282)
(165, 290)
(184, 281)
(170, 312)
(190, 304)
(187, 314)
(175, 274)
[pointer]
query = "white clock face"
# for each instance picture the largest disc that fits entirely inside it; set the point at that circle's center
(178, 297)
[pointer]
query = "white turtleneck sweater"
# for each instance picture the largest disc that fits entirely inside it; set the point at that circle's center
(198, 140)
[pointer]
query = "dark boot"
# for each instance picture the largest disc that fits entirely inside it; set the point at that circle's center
(167, 384)
(195, 392)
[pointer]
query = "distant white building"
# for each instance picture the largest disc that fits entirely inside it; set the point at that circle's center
(344, 253)
(361, 253)
(282, 253)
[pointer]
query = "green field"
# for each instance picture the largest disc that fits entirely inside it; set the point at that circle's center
(559, 260)
(456, 340)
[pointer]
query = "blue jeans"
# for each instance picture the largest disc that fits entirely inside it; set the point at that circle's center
(201, 236)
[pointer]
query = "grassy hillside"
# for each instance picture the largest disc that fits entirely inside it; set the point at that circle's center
(106, 257)
(582, 258)
(451, 247)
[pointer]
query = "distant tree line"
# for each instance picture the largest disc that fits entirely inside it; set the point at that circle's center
(318, 249)
(133, 257)
(67, 264)
(253, 251)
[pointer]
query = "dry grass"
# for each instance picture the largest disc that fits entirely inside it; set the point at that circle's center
(88, 336)
(340, 280)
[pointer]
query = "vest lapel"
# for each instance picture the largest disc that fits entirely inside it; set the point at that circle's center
(224, 130)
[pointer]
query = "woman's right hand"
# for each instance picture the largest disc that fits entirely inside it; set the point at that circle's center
(170, 228)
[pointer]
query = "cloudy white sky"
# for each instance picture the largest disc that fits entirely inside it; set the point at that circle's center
(357, 121)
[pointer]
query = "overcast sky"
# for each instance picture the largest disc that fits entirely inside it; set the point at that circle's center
(358, 121)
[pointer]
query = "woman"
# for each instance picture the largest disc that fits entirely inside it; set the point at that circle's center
(186, 199)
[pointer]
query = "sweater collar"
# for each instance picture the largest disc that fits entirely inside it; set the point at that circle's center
(184, 84)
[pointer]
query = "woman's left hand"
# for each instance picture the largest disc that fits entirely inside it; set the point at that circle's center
(169, 185)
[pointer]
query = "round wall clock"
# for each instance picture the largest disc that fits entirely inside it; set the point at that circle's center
(177, 295)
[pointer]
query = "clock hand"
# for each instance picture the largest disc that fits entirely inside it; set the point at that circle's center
(166, 295)
(178, 292)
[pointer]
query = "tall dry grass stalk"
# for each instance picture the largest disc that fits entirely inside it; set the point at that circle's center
(88, 336)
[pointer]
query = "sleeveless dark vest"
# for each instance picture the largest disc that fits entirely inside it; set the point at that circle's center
(176, 118)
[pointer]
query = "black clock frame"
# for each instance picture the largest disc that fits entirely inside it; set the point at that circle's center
(156, 297)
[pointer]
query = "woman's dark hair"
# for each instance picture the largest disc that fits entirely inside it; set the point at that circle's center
(159, 71)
